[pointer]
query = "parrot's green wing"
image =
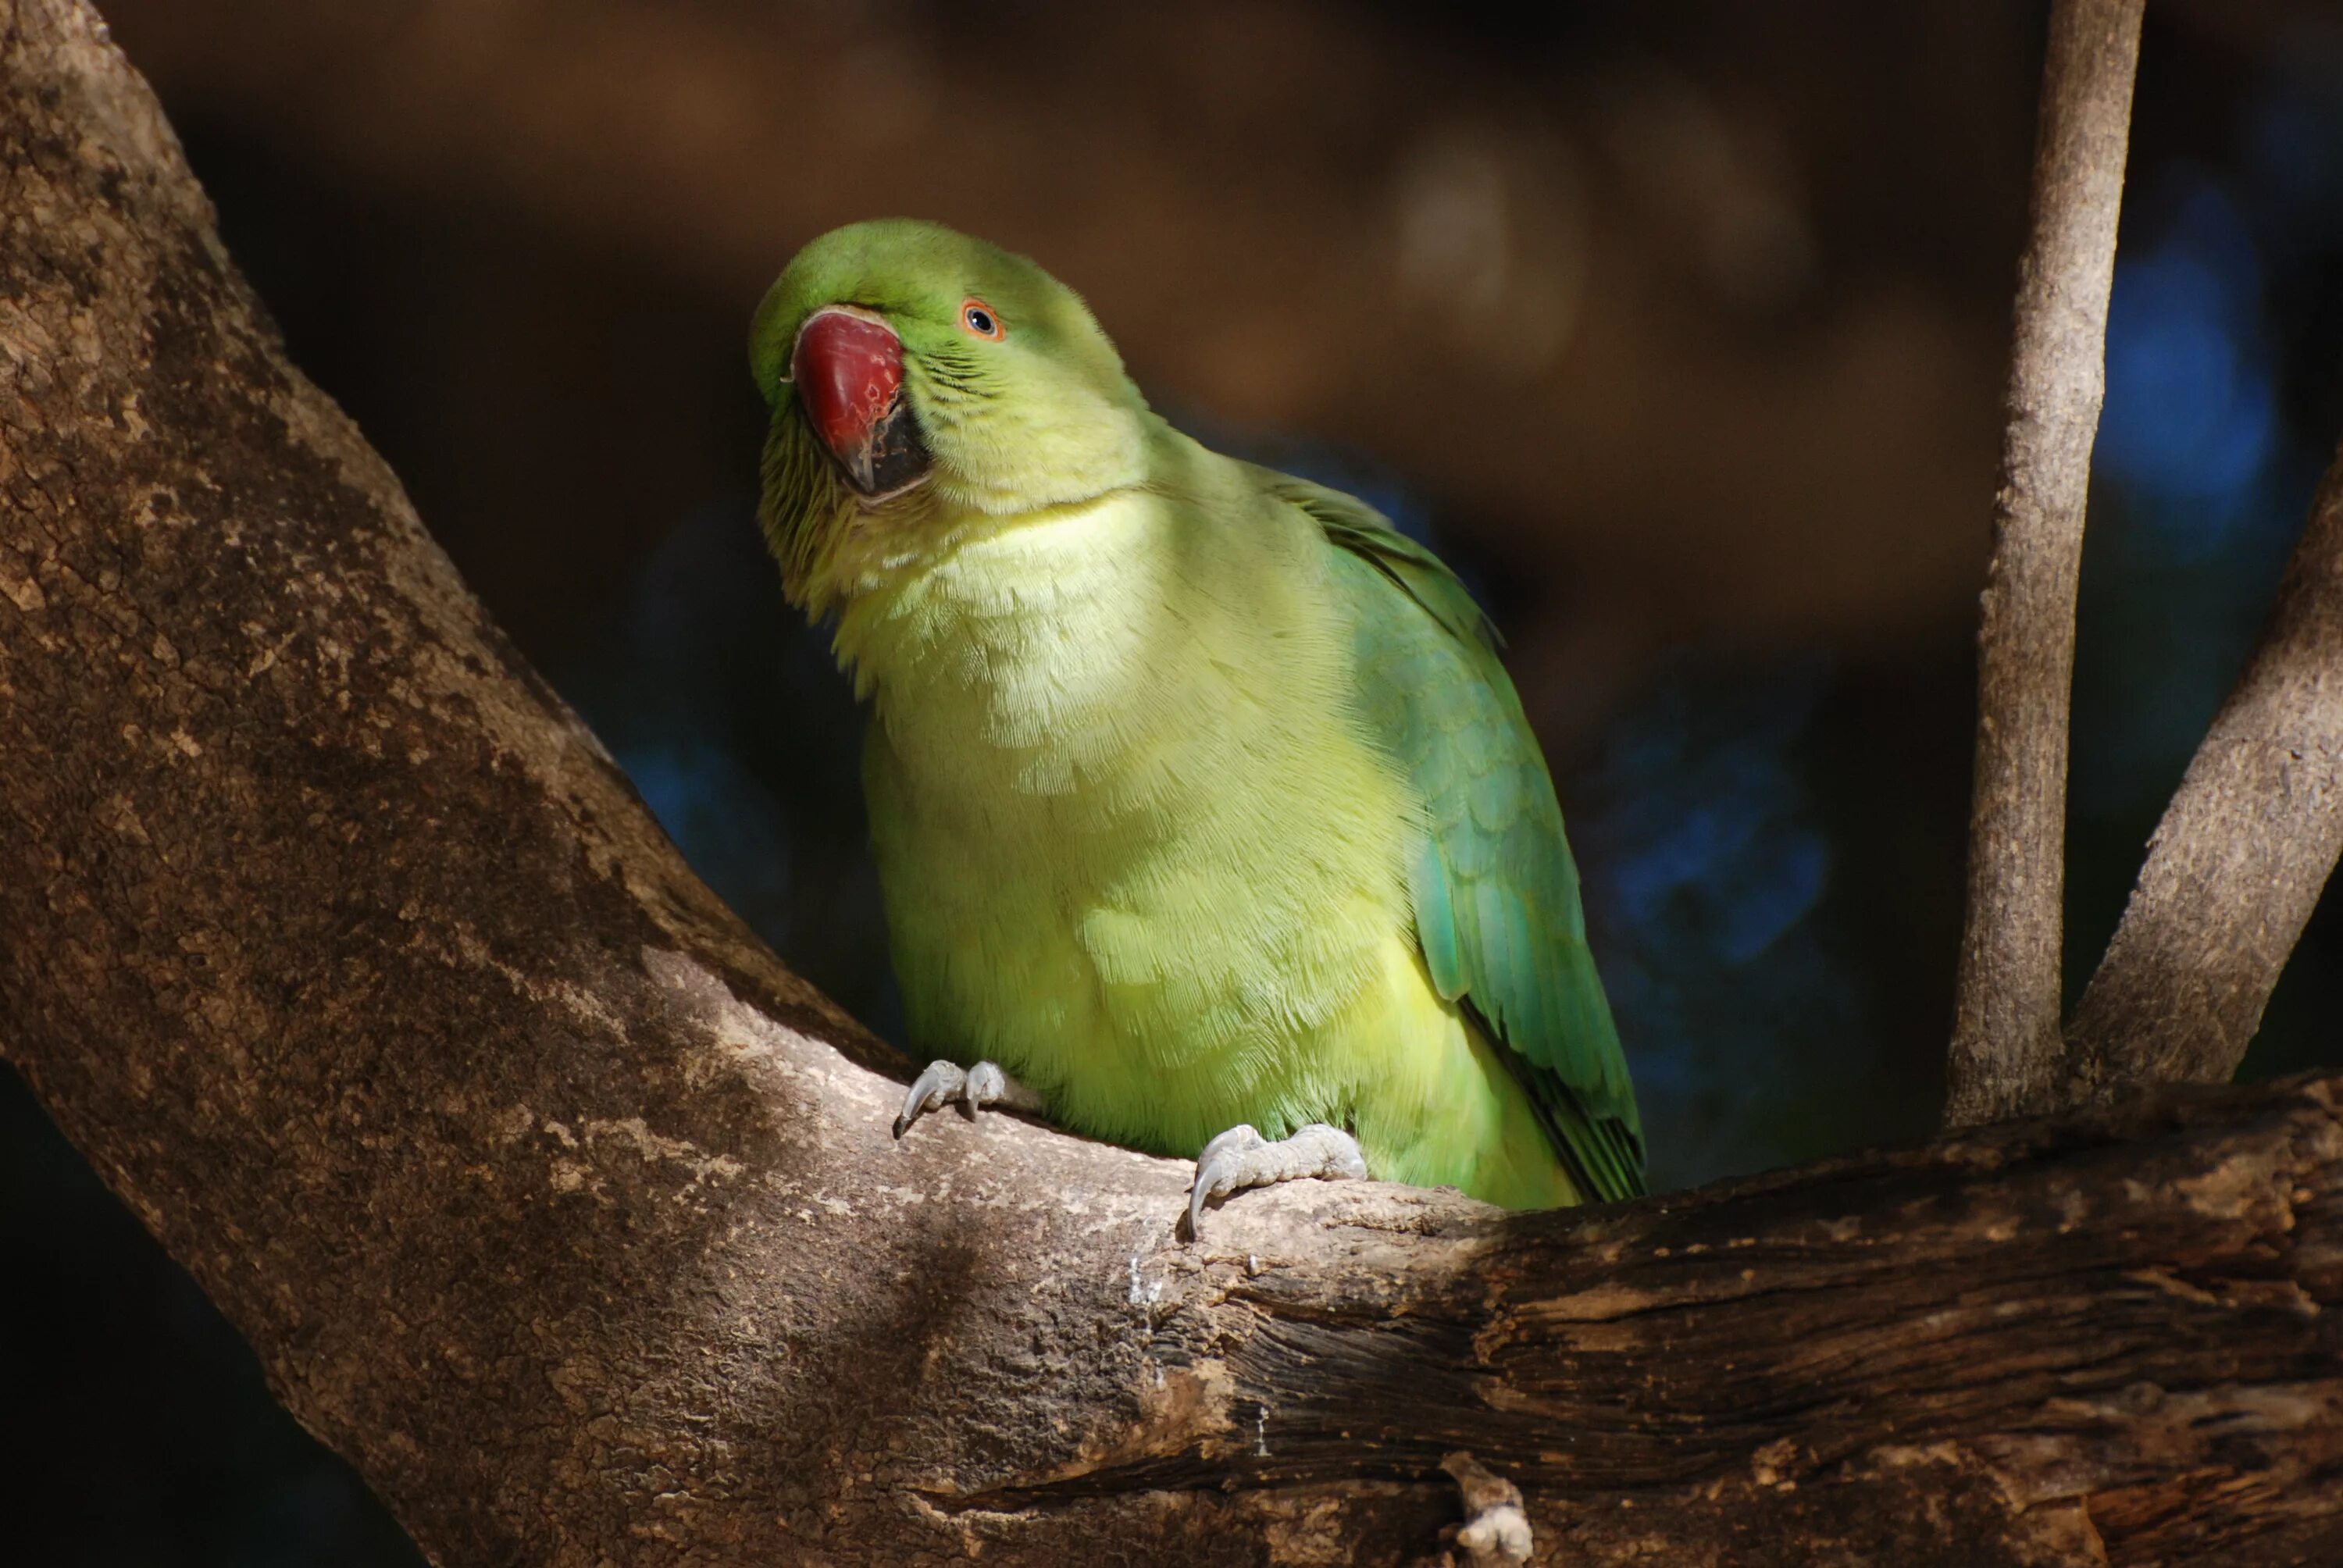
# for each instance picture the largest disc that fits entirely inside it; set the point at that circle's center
(1496, 890)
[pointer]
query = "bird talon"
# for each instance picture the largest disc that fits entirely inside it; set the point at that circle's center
(986, 1085)
(947, 1083)
(1241, 1158)
(942, 1082)
(1216, 1170)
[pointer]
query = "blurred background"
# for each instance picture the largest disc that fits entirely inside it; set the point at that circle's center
(1679, 327)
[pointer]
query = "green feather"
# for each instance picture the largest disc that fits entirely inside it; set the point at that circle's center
(1497, 909)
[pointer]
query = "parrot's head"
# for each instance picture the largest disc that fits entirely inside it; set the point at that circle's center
(921, 381)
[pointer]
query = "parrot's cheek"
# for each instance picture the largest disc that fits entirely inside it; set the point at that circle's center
(847, 368)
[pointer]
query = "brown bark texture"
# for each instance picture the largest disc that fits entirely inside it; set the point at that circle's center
(2006, 1057)
(2244, 848)
(557, 1205)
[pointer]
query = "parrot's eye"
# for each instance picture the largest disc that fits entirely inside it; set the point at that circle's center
(977, 318)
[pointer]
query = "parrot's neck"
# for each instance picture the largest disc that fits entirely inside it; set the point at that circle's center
(1024, 651)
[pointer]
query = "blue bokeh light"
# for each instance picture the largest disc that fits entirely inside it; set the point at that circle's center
(2191, 410)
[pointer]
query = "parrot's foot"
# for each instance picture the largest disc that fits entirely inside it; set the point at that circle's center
(1496, 1530)
(1241, 1158)
(945, 1083)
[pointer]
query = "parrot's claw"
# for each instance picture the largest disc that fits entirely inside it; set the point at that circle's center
(1241, 1158)
(945, 1083)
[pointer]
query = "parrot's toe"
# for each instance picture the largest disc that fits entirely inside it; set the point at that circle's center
(1241, 1158)
(947, 1083)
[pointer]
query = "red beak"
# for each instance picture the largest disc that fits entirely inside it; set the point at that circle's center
(848, 373)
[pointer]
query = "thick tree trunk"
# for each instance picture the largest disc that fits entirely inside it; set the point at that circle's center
(566, 1212)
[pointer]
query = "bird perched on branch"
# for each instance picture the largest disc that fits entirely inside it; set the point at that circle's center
(1207, 818)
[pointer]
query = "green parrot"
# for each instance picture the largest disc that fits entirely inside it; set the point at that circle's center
(1207, 820)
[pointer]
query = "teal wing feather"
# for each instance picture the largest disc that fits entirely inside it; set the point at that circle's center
(1497, 907)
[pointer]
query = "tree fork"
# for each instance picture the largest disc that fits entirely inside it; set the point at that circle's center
(564, 1211)
(2250, 837)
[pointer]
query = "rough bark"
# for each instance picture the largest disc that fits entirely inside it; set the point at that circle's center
(2006, 1051)
(2243, 852)
(556, 1203)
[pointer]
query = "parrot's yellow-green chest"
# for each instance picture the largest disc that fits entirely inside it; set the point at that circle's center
(1135, 846)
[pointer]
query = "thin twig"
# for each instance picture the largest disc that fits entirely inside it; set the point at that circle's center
(2005, 1039)
(2244, 848)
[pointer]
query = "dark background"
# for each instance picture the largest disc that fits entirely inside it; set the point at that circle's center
(1680, 328)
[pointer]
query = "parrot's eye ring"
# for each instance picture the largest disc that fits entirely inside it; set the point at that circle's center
(978, 320)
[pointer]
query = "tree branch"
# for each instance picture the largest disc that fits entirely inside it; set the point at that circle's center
(2007, 1046)
(551, 1200)
(2244, 850)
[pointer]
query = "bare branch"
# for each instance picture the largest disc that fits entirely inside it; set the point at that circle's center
(2245, 846)
(2006, 1046)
